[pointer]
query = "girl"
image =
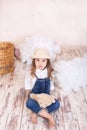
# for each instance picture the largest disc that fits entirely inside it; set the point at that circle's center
(39, 80)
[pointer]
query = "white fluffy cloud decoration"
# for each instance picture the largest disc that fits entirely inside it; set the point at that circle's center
(72, 74)
(30, 44)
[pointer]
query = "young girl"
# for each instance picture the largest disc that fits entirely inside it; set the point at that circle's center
(39, 80)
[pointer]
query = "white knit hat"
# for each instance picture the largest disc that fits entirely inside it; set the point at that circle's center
(41, 53)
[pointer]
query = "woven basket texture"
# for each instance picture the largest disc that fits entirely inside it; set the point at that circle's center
(6, 57)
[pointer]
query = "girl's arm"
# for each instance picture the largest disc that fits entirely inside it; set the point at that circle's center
(27, 92)
(52, 85)
(27, 85)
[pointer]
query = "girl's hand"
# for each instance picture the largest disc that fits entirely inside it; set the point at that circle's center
(26, 95)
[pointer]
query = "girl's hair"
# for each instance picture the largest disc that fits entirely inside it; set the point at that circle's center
(49, 68)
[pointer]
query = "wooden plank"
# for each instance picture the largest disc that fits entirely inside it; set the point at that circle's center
(80, 100)
(71, 121)
(12, 101)
(18, 101)
(81, 108)
(13, 122)
(3, 121)
(12, 94)
(69, 114)
(82, 118)
(59, 114)
(11, 97)
(84, 89)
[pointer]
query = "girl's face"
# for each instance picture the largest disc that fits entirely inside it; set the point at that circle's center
(40, 63)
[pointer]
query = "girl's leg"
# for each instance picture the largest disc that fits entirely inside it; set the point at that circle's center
(45, 114)
(33, 105)
(53, 106)
(35, 108)
(33, 117)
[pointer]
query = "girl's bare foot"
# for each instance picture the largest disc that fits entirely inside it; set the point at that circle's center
(48, 116)
(33, 118)
(51, 122)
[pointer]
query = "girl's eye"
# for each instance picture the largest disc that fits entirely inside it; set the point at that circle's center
(43, 60)
(37, 60)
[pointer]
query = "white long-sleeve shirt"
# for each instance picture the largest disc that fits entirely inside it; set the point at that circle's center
(30, 81)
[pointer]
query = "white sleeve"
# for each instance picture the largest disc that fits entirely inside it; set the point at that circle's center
(28, 83)
(52, 81)
(52, 85)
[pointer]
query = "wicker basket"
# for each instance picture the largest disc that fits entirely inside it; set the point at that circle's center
(6, 57)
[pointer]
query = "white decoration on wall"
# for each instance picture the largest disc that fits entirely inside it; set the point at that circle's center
(30, 44)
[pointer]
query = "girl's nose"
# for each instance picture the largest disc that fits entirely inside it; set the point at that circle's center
(40, 63)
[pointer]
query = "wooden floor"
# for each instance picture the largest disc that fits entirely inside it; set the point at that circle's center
(14, 115)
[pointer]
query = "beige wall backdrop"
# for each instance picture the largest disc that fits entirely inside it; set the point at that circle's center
(65, 21)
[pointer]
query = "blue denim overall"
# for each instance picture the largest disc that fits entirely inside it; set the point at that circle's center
(41, 86)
